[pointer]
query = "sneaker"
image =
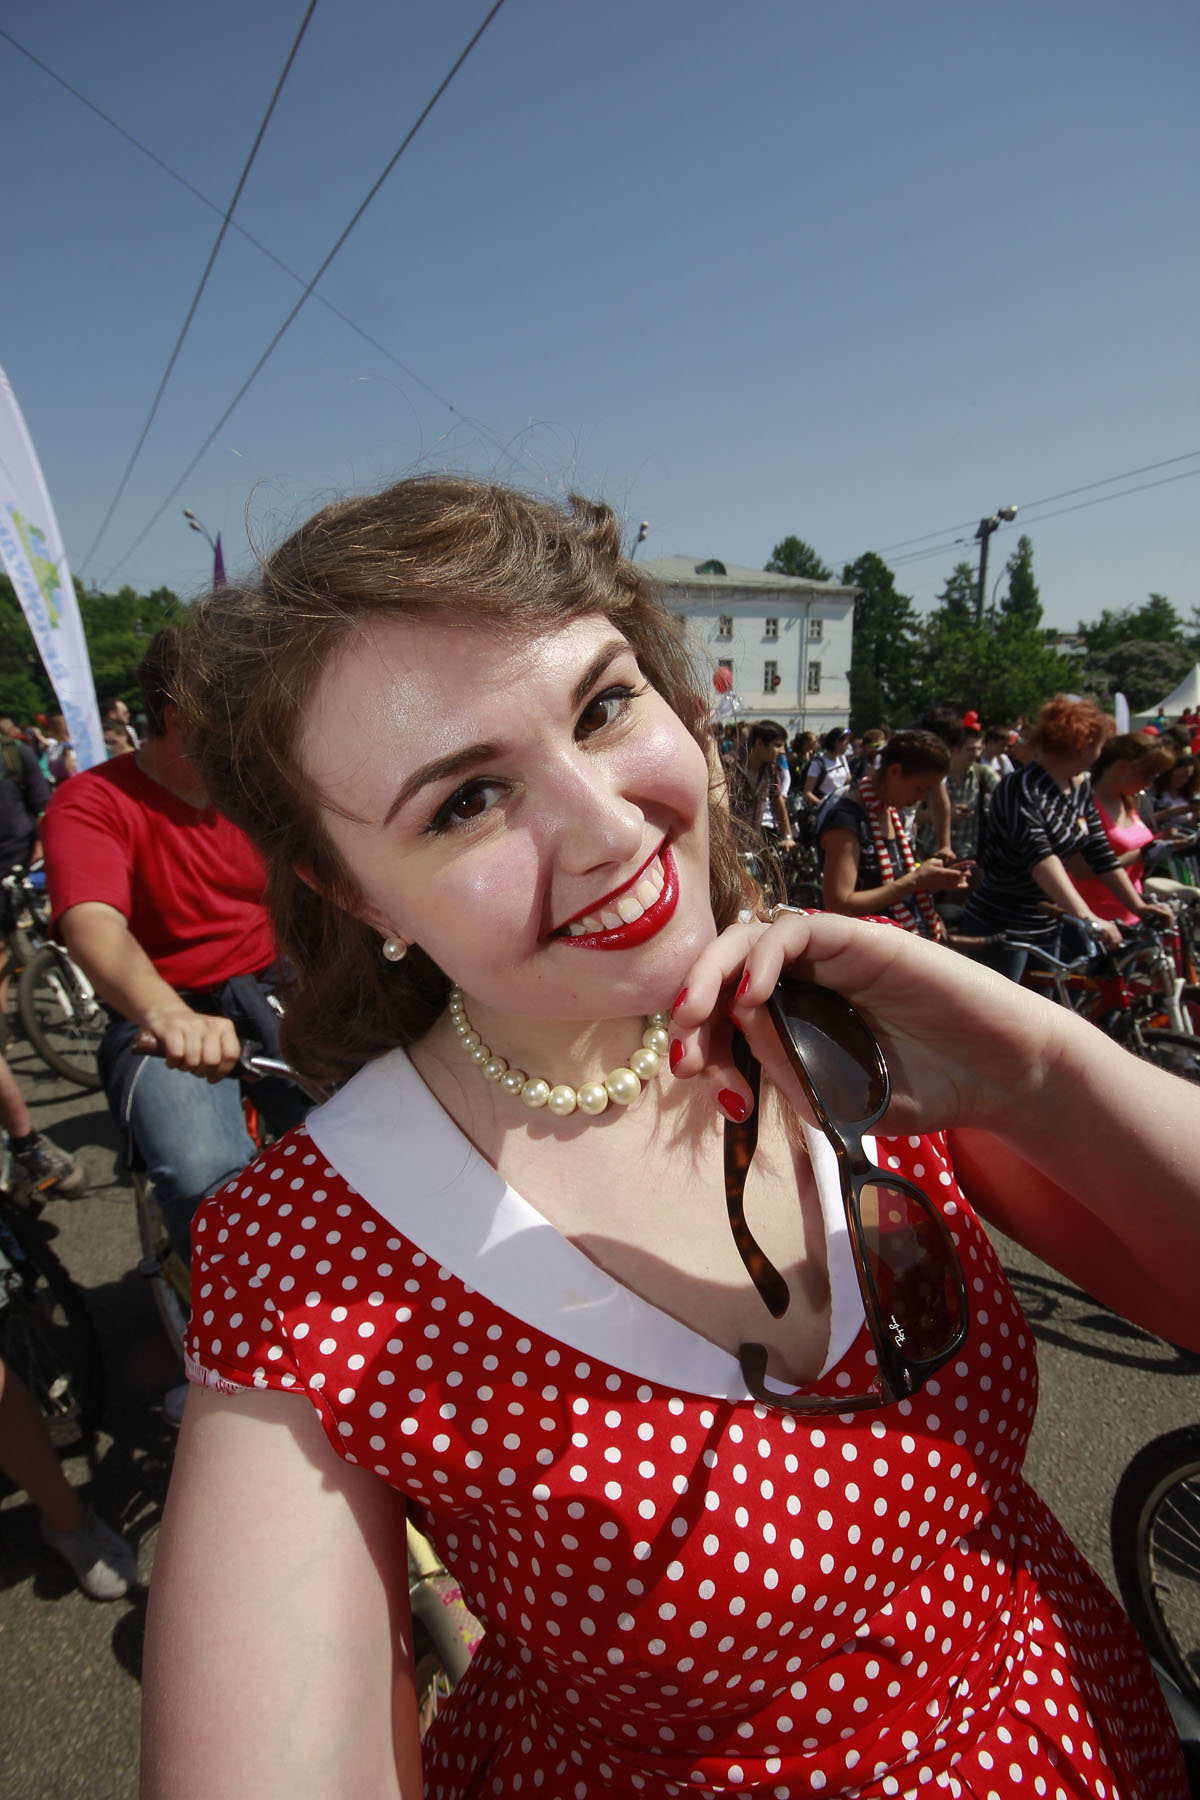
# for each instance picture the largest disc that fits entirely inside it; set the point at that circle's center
(44, 1166)
(104, 1564)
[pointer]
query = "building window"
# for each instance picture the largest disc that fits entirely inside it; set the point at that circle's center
(770, 677)
(815, 629)
(771, 628)
(814, 677)
(724, 627)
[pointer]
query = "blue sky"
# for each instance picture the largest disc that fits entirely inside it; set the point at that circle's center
(858, 272)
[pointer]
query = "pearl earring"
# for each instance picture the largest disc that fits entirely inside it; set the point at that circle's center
(394, 949)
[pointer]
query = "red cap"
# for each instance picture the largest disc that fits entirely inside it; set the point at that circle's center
(1151, 731)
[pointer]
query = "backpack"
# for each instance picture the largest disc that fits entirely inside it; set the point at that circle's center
(12, 759)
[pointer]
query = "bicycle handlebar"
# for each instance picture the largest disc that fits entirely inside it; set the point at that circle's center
(253, 1063)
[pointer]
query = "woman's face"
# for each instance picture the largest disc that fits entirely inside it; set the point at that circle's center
(525, 808)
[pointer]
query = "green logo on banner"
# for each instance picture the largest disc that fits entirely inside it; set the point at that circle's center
(44, 571)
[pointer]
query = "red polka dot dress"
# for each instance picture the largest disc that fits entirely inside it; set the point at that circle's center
(683, 1592)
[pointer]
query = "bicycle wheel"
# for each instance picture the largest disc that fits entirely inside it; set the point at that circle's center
(1155, 1536)
(1173, 1050)
(46, 1333)
(161, 1264)
(62, 1020)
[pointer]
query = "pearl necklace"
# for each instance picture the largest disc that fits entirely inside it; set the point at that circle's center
(621, 1085)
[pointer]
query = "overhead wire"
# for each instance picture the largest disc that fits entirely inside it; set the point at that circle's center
(203, 283)
(1067, 493)
(356, 216)
(917, 556)
(477, 424)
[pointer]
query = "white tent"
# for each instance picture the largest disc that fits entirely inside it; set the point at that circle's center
(1187, 694)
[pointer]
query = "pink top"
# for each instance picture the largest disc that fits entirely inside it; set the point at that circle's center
(1101, 899)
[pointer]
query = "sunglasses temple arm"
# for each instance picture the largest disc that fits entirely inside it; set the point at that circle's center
(740, 1141)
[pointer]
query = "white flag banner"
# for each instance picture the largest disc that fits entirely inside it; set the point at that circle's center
(1121, 712)
(33, 556)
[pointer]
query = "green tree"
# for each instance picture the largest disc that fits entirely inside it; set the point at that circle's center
(1143, 669)
(1022, 600)
(1141, 652)
(956, 602)
(883, 663)
(1004, 666)
(794, 557)
(117, 628)
(1157, 622)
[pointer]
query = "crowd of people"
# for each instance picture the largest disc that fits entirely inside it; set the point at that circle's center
(731, 1525)
(964, 833)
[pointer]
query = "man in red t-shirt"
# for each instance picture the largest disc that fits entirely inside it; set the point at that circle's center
(160, 900)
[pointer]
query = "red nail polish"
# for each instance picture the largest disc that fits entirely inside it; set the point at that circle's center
(743, 984)
(676, 1004)
(675, 1053)
(732, 1105)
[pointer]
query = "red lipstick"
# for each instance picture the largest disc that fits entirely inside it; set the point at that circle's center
(628, 937)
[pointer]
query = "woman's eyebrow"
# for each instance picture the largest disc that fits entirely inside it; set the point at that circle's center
(607, 653)
(459, 761)
(442, 767)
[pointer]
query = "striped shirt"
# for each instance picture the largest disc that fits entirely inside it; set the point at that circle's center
(1030, 819)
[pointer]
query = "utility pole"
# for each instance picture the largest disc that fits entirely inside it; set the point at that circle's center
(986, 528)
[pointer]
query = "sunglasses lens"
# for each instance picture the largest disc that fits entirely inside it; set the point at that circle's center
(838, 1051)
(913, 1268)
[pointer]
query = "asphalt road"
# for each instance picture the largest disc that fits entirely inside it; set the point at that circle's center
(70, 1669)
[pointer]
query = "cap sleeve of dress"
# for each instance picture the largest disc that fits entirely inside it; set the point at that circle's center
(244, 1285)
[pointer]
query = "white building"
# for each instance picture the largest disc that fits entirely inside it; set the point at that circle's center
(786, 642)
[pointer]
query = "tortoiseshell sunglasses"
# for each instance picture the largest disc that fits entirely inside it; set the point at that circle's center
(914, 1295)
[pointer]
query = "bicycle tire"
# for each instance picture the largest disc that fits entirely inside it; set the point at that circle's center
(64, 1026)
(1154, 1531)
(1173, 1050)
(46, 1332)
(161, 1264)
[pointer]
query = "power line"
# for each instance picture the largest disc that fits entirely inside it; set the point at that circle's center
(1067, 493)
(467, 418)
(263, 359)
(917, 556)
(208, 269)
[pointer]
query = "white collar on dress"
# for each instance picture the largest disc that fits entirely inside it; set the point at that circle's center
(390, 1139)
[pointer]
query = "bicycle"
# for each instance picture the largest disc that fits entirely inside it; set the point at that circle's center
(1154, 1534)
(1133, 993)
(57, 1005)
(46, 1332)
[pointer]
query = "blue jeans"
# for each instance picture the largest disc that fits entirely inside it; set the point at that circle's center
(188, 1134)
(191, 1137)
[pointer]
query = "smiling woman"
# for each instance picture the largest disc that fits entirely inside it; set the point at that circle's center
(715, 1409)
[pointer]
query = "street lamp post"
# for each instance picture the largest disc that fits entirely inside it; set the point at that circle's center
(643, 528)
(986, 528)
(214, 545)
(195, 525)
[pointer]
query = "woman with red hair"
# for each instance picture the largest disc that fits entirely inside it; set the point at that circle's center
(1042, 816)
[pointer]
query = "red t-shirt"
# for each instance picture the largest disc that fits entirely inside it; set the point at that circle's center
(190, 884)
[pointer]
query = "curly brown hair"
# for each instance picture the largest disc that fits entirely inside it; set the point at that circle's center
(1064, 726)
(430, 546)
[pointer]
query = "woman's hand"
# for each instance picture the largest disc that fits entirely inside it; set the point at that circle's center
(1106, 930)
(962, 1045)
(935, 877)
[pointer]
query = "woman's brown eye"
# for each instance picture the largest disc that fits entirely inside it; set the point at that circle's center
(595, 718)
(603, 710)
(468, 805)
